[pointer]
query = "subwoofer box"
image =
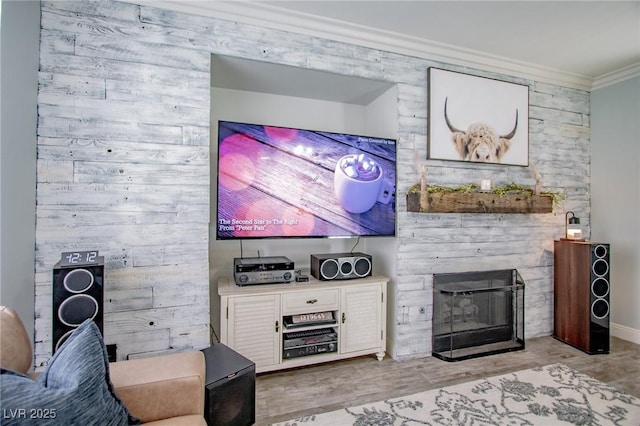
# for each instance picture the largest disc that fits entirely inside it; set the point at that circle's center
(230, 387)
(341, 266)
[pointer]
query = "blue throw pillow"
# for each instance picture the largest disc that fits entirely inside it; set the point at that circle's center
(75, 388)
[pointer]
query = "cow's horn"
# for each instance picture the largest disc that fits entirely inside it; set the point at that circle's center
(446, 118)
(513, 132)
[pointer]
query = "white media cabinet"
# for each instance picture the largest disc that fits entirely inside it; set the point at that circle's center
(255, 320)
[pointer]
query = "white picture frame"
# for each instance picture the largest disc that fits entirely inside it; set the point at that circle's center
(477, 119)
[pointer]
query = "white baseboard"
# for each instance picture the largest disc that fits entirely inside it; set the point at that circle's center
(625, 333)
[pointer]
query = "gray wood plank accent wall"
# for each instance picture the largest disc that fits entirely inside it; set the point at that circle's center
(124, 167)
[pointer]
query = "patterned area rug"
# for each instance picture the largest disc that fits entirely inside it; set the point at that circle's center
(550, 395)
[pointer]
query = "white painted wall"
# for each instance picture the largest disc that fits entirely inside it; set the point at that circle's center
(615, 171)
(20, 37)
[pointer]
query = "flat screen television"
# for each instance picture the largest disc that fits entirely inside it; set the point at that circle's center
(277, 182)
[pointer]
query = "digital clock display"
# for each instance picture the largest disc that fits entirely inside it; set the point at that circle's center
(69, 258)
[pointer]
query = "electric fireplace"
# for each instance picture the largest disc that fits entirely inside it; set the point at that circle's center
(477, 314)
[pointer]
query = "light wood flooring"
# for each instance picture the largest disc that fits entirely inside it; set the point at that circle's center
(283, 395)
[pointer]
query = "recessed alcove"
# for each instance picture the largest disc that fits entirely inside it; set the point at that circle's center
(267, 93)
(249, 75)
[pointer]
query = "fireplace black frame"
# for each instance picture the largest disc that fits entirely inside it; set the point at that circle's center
(462, 331)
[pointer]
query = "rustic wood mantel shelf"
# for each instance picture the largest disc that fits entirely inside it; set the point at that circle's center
(477, 202)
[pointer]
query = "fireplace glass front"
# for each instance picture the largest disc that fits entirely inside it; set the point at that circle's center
(477, 314)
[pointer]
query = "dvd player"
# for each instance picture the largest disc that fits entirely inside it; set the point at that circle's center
(262, 270)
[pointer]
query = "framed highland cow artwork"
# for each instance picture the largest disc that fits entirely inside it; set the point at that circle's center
(477, 119)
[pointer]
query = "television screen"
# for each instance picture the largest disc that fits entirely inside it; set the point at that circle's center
(276, 182)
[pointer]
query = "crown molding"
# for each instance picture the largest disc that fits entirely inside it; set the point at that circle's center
(312, 25)
(611, 78)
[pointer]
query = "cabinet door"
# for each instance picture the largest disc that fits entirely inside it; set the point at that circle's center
(361, 318)
(254, 328)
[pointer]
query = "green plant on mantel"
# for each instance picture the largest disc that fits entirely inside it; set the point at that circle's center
(510, 188)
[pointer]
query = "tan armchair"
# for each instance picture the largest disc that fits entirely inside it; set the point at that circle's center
(162, 390)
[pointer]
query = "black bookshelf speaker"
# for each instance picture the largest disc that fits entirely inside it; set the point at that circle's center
(78, 293)
(341, 266)
(230, 388)
(582, 287)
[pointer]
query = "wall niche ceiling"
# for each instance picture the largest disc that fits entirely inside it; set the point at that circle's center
(235, 73)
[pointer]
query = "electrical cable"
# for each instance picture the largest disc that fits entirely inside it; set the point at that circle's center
(355, 245)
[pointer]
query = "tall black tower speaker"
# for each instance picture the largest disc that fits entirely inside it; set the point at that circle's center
(600, 289)
(78, 292)
(582, 287)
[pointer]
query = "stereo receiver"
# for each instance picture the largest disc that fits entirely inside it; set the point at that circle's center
(262, 270)
(309, 342)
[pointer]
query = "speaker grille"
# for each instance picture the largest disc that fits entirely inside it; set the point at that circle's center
(63, 339)
(329, 269)
(346, 267)
(78, 280)
(600, 251)
(600, 267)
(600, 287)
(230, 402)
(600, 309)
(362, 267)
(600, 281)
(74, 310)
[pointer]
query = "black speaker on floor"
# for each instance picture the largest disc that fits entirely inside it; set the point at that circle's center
(78, 291)
(230, 388)
(581, 294)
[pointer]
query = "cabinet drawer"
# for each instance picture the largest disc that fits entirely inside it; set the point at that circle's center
(310, 301)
